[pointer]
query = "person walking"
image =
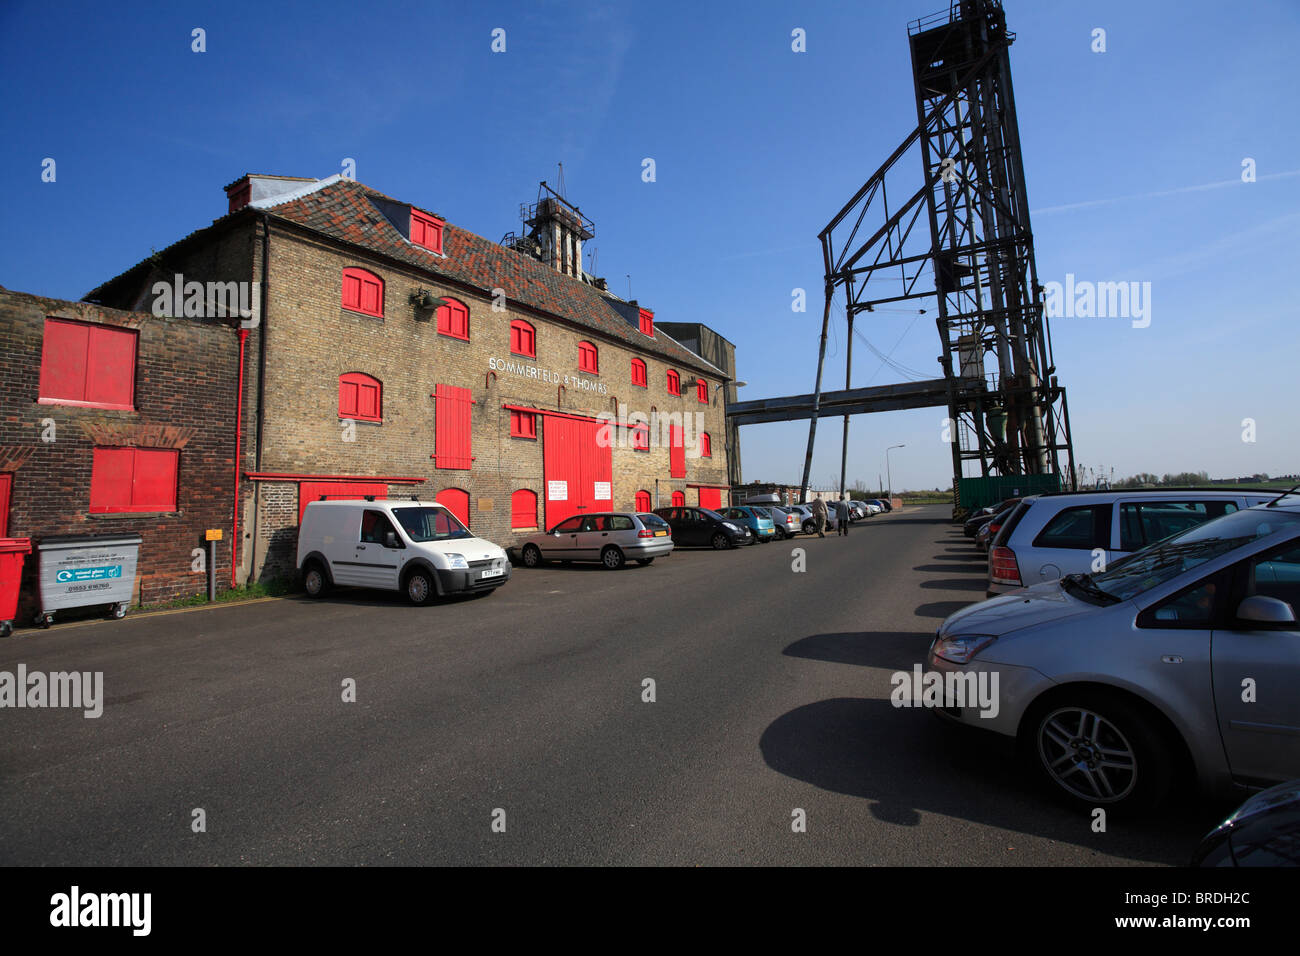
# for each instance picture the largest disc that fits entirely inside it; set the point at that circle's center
(842, 511)
(819, 516)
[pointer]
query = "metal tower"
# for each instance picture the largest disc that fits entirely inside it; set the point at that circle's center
(1007, 413)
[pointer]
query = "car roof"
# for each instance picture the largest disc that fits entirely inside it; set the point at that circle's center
(370, 503)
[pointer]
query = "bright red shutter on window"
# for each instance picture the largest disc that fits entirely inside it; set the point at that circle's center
(110, 367)
(426, 231)
(638, 373)
(360, 396)
(452, 432)
(63, 360)
(523, 425)
(523, 509)
(702, 391)
(706, 445)
(457, 502)
(133, 479)
(674, 383)
(647, 322)
(363, 292)
(676, 452)
(711, 498)
(679, 500)
(453, 319)
(523, 339)
(587, 361)
(643, 501)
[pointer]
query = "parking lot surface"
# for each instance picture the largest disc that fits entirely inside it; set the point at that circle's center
(527, 707)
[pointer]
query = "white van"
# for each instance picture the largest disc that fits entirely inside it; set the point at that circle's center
(398, 545)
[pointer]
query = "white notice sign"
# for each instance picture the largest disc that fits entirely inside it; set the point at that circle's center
(603, 492)
(557, 490)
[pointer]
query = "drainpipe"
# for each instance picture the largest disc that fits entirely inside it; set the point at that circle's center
(239, 425)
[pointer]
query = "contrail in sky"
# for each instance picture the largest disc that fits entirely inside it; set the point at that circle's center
(1048, 210)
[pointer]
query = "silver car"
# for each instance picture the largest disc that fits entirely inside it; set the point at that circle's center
(612, 538)
(1186, 654)
(1048, 536)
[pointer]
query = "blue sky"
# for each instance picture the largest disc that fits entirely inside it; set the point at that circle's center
(755, 147)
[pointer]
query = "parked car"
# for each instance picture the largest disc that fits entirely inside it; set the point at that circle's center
(972, 524)
(786, 521)
(990, 528)
(1049, 536)
(612, 538)
(1263, 831)
(700, 526)
(1113, 682)
(418, 547)
(759, 524)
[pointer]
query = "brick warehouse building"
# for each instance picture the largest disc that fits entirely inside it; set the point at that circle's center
(116, 422)
(394, 353)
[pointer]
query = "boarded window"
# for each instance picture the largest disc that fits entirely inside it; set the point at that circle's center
(676, 452)
(523, 509)
(453, 319)
(363, 292)
(456, 501)
(133, 479)
(523, 338)
(87, 364)
(452, 432)
(638, 373)
(360, 397)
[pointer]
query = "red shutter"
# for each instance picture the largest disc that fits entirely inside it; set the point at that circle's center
(133, 479)
(452, 432)
(360, 396)
(110, 367)
(426, 232)
(711, 498)
(676, 452)
(647, 322)
(457, 502)
(154, 485)
(351, 291)
(674, 383)
(679, 500)
(638, 373)
(706, 445)
(63, 360)
(110, 479)
(643, 501)
(363, 292)
(523, 509)
(702, 391)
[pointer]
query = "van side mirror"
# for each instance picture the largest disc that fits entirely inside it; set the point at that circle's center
(390, 540)
(1265, 610)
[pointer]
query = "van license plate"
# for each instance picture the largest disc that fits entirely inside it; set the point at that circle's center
(492, 573)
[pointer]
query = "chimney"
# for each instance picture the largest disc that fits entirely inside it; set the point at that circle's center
(252, 187)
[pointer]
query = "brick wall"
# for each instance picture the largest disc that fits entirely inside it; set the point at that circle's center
(184, 397)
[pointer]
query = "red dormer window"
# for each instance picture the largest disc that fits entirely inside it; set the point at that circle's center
(647, 322)
(426, 231)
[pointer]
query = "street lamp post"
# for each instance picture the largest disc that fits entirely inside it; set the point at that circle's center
(890, 494)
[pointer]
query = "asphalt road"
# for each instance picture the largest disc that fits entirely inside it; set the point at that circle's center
(772, 695)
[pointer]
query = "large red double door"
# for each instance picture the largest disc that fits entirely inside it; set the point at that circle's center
(579, 473)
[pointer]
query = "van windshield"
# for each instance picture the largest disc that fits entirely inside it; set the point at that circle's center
(430, 524)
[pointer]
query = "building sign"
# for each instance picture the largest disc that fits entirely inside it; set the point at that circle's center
(524, 370)
(557, 490)
(602, 492)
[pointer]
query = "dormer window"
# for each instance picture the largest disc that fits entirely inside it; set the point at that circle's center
(426, 232)
(647, 323)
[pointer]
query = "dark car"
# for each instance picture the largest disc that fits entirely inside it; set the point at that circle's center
(702, 527)
(978, 518)
(1263, 831)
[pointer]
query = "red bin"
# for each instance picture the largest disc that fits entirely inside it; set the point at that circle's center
(12, 551)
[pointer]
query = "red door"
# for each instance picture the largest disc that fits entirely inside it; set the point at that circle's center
(455, 501)
(578, 471)
(337, 491)
(679, 500)
(711, 498)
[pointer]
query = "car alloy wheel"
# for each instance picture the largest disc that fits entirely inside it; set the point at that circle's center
(1087, 755)
(419, 587)
(612, 558)
(720, 542)
(532, 556)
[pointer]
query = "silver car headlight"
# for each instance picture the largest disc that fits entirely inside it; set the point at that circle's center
(961, 648)
(729, 526)
(457, 562)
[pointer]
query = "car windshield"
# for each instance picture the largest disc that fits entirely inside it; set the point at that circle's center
(430, 524)
(710, 514)
(1164, 560)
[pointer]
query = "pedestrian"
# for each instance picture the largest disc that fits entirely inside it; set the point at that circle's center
(819, 516)
(842, 516)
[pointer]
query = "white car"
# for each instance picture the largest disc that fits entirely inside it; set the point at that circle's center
(418, 547)
(1046, 537)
